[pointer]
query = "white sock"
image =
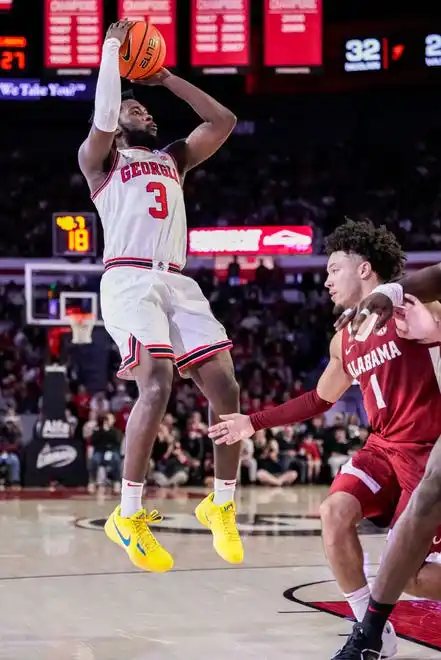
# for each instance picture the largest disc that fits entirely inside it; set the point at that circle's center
(224, 491)
(359, 601)
(131, 497)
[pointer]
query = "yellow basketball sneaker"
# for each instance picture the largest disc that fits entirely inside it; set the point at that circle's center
(134, 535)
(221, 520)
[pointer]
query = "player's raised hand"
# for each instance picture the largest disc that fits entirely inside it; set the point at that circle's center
(414, 320)
(157, 78)
(233, 428)
(376, 303)
(119, 30)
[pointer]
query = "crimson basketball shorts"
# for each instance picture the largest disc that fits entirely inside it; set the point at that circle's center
(166, 312)
(383, 478)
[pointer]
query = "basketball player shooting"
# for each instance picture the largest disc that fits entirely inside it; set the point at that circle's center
(404, 412)
(156, 315)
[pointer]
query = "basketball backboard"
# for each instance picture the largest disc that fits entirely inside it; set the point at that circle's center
(53, 289)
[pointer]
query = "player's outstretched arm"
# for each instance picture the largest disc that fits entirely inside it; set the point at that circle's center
(417, 321)
(332, 384)
(425, 284)
(208, 137)
(95, 150)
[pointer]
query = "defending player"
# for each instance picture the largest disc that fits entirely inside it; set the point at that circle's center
(156, 315)
(404, 412)
(413, 534)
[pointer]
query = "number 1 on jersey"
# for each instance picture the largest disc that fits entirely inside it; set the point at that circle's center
(160, 211)
(377, 392)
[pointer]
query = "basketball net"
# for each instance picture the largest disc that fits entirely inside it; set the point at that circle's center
(82, 327)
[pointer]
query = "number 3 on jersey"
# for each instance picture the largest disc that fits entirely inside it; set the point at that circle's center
(377, 392)
(160, 210)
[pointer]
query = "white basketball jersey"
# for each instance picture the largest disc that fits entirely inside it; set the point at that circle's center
(142, 210)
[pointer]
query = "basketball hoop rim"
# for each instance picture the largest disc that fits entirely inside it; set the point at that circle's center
(80, 318)
(82, 325)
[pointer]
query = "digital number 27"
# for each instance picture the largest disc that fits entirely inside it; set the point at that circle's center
(160, 210)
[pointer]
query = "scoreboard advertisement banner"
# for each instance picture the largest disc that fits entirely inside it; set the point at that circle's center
(272, 241)
(73, 35)
(293, 30)
(161, 13)
(220, 35)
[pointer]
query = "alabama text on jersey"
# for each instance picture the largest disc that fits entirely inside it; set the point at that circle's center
(400, 381)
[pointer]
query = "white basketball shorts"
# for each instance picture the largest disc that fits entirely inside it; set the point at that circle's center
(166, 312)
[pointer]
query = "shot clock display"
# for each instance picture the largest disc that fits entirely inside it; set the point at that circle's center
(74, 234)
(13, 55)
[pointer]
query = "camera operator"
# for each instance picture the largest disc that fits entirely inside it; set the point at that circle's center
(106, 450)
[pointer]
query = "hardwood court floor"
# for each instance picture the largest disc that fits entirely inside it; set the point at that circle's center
(67, 593)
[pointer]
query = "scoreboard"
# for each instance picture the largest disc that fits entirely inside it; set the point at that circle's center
(43, 40)
(384, 51)
(52, 48)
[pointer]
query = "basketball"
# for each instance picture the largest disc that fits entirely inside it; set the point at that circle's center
(143, 52)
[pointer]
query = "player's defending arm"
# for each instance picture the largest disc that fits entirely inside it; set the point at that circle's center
(208, 137)
(425, 284)
(417, 321)
(332, 384)
(95, 150)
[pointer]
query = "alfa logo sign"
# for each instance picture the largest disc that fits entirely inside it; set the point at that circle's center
(58, 456)
(55, 429)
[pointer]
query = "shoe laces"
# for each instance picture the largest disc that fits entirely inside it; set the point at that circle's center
(356, 647)
(228, 522)
(145, 536)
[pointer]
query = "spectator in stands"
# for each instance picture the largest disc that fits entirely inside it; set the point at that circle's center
(234, 272)
(262, 275)
(100, 404)
(120, 398)
(106, 452)
(72, 421)
(122, 416)
(81, 400)
(173, 469)
(311, 450)
(339, 449)
(289, 456)
(247, 464)
(194, 441)
(270, 471)
(90, 426)
(10, 444)
(353, 425)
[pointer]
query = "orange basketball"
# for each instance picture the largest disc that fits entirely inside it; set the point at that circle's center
(143, 52)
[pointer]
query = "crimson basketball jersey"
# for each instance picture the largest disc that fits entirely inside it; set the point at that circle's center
(142, 209)
(400, 381)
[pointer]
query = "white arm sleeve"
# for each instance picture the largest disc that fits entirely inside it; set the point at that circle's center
(108, 88)
(393, 291)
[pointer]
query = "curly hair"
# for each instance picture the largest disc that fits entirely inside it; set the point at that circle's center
(375, 244)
